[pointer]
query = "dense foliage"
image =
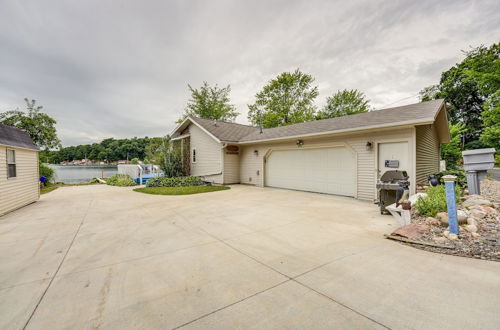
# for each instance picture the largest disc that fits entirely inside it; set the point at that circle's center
(40, 126)
(471, 89)
(121, 180)
(175, 182)
(107, 150)
(491, 122)
(452, 152)
(435, 201)
(210, 103)
(47, 172)
(343, 103)
(287, 99)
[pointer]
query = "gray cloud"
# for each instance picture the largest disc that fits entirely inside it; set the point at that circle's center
(121, 69)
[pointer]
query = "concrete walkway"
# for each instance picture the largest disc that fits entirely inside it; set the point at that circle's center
(105, 257)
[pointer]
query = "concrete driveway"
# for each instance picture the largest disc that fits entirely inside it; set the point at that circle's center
(109, 258)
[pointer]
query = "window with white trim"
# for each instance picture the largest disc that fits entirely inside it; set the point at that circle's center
(194, 155)
(11, 163)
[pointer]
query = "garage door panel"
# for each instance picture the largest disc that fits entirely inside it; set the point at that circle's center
(325, 170)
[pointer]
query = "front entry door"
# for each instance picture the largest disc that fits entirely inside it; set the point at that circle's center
(393, 156)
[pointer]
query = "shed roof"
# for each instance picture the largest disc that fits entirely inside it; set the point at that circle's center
(413, 114)
(15, 137)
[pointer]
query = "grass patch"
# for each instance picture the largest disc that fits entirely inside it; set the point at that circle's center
(49, 188)
(180, 190)
(53, 186)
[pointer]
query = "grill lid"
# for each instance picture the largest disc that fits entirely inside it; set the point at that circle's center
(394, 175)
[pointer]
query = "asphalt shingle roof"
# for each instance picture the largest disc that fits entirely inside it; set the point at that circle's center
(413, 113)
(15, 137)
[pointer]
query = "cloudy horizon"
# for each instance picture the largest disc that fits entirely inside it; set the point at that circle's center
(115, 69)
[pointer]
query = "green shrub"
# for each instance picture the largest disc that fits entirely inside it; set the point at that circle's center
(121, 180)
(460, 174)
(192, 181)
(435, 201)
(46, 171)
(175, 182)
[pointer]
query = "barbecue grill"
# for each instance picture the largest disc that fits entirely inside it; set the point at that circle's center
(391, 188)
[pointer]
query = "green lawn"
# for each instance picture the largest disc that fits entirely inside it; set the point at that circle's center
(180, 190)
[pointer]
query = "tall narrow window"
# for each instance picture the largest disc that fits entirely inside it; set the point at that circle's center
(11, 163)
(194, 155)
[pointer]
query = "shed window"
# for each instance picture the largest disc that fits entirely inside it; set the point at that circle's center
(11, 163)
(194, 155)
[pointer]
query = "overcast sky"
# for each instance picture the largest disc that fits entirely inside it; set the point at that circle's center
(121, 68)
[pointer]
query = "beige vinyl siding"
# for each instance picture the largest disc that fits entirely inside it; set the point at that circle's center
(24, 188)
(231, 168)
(252, 164)
(208, 163)
(427, 147)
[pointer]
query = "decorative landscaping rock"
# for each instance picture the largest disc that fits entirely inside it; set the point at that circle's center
(479, 234)
(471, 202)
(471, 228)
(489, 210)
(477, 213)
(443, 217)
(462, 216)
(439, 239)
(471, 221)
(432, 221)
(411, 231)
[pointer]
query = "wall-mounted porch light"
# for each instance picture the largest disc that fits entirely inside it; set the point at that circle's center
(369, 145)
(300, 143)
(256, 152)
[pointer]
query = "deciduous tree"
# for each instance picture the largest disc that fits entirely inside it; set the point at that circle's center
(210, 103)
(287, 99)
(343, 103)
(40, 126)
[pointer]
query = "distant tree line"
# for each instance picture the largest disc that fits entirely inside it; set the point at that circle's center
(108, 150)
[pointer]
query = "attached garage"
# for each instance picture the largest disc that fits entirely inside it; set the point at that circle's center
(324, 170)
(340, 156)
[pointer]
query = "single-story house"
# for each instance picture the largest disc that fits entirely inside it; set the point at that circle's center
(341, 156)
(19, 180)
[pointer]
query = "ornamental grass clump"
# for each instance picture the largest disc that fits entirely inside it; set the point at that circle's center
(121, 180)
(435, 201)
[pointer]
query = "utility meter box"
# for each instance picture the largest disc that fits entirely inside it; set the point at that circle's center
(479, 159)
(477, 163)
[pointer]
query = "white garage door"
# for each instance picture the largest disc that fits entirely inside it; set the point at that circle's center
(325, 170)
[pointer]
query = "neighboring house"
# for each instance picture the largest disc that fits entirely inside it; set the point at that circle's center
(341, 156)
(19, 180)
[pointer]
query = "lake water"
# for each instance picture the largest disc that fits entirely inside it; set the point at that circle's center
(82, 174)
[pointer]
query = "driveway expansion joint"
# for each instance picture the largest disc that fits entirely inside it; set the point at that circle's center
(59, 266)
